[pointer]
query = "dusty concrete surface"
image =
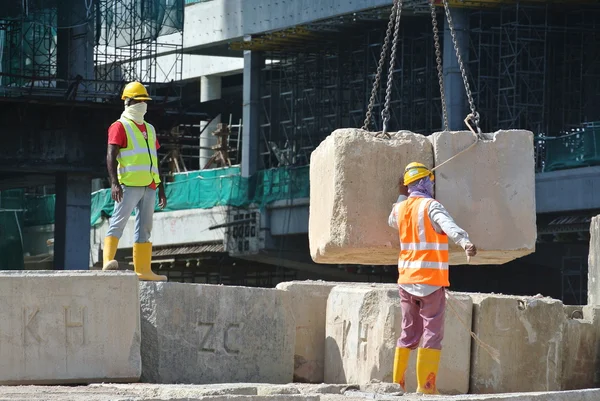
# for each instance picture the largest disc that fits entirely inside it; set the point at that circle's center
(194, 333)
(490, 192)
(528, 334)
(580, 349)
(353, 185)
(309, 306)
(258, 392)
(594, 263)
(69, 327)
(363, 325)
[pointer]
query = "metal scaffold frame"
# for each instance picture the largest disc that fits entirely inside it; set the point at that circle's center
(48, 46)
(133, 35)
(309, 93)
(522, 75)
(28, 47)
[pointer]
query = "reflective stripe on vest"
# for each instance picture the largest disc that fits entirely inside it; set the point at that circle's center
(138, 162)
(423, 252)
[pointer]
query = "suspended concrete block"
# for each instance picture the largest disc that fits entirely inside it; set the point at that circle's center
(353, 186)
(363, 325)
(489, 190)
(69, 327)
(198, 334)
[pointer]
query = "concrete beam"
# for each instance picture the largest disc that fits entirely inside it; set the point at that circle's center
(219, 21)
(568, 190)
(73, 210)
(253, 63)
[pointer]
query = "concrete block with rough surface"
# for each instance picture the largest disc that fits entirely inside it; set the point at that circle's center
(309, 304)
(363, 325)
(580, 353)
(353, 185)
(69, 327)
(594, 263)
(197, 334)
(528, 334)
(489, 191)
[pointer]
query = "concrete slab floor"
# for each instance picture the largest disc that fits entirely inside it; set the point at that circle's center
(261, 392)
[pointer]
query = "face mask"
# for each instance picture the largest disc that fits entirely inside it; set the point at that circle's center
(136, 112)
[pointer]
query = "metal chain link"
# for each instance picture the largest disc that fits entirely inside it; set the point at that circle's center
(385, 113)
(438, 59)
(384, 49)
(474, 114)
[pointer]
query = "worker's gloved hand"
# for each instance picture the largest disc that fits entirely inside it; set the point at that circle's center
(470, 249)
(403, 189)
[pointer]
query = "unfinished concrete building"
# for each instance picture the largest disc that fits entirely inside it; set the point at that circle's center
(282, 78)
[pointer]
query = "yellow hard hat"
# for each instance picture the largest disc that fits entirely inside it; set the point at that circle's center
(135, 91)
(415, 171)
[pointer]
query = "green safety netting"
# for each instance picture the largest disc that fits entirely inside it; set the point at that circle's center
(11, 233)
(196, 190)
(577, 148)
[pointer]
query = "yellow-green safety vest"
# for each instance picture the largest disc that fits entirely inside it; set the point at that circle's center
(138, 162)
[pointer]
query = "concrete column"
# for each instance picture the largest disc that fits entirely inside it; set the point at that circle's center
(593, 296)
(72, 221)
(456, 97)
(253, 63)
(210, 89)
(75, 46)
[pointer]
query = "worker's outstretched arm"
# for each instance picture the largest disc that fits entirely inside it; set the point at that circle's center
(443, 222)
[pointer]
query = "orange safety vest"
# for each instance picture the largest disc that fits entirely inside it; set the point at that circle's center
(423, 252)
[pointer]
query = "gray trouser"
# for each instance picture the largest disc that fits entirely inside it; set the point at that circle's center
(142, 199)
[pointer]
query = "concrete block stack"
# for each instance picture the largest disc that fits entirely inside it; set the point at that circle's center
(363, 325)
(69, 327)
(195, 333)
(489, 190)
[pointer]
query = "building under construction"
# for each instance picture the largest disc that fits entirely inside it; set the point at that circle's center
(282, 78)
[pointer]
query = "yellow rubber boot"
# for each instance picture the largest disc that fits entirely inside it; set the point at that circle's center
(428, 362)
(142, 259)
(400, 365)
(108, 254)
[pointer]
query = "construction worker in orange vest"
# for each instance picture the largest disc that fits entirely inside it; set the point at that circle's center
(424, 226)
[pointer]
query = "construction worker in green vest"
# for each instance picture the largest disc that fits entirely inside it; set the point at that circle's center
(133, 170)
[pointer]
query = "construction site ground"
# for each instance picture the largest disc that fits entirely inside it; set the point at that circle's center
(262, 392)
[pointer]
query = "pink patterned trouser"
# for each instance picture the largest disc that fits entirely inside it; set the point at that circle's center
(422, 319)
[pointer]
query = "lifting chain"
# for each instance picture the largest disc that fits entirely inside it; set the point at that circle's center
(474, 116)
(394, 23)
(384, 49)
(438, 59)
(385, 113)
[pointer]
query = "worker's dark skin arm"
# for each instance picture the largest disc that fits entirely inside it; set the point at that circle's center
(162, 197)
(116, 191)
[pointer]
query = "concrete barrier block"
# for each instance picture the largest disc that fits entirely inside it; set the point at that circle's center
(69, 327)
(528, 334)
(489, 191)
(594, 263)
(198, 334)
(309, 304)
(353, 185)
(580, 353)
(363, 325)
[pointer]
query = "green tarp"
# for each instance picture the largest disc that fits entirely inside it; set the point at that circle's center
(579, 148)
(196, 190)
